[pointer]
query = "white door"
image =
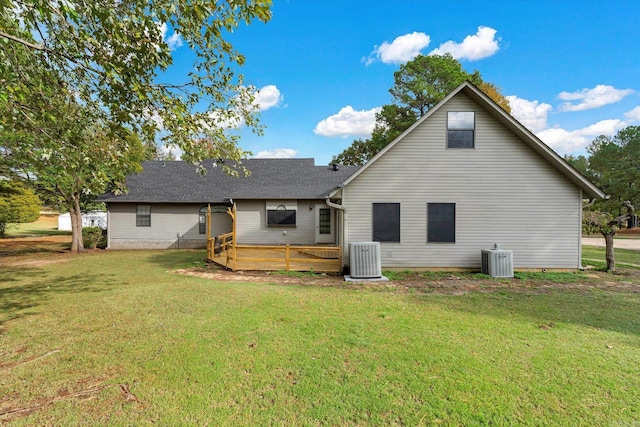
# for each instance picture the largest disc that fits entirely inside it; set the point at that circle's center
(325, 224)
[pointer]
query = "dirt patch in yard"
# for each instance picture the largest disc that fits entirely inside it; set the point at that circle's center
(29, 251)
(627, 280)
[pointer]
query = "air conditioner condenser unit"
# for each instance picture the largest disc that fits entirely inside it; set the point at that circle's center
(365, 260)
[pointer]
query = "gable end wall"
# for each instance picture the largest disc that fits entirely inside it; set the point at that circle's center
(504, 193)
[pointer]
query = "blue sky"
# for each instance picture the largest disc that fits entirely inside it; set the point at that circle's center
(571, 69)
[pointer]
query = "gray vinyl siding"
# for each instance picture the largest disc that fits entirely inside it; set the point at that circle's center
(172, 226)
(504, 193)
(252, 224)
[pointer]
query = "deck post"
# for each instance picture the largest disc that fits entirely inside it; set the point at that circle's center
(286, 257)
(233, 237)
(210, 247)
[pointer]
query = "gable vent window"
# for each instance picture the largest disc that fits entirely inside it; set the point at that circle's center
(281, 214)
(143, 215)
(461, 129)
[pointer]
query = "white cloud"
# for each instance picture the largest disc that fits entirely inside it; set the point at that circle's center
(174, 41)
(566, 142)
(478, 46)
(267, 97)
(170, 151)
(348, 122)
(402, 49)
(633, 115)
(603, 127)
(532, 114)
(562, 140)
(592, 98)
(154, 117)
(278, 153)
(225, 120)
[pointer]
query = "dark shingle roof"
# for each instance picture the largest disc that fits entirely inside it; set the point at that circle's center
(179, 182)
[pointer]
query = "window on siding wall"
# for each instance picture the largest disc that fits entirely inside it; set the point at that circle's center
(202, 216)
(202, 220)
(461, 129)
(281, 216)
(143, 215)
(441, 222)
(386, 222)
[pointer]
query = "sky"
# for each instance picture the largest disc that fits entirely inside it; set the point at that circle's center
(323, 68)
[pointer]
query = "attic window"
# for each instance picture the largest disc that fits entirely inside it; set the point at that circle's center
(281, 214)
(461, 129)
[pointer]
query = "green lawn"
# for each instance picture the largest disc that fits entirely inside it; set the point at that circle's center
(115, 338)
(47, 225)
(623, 256)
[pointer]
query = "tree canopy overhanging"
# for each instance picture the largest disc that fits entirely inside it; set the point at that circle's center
(113, 54)
(82, 102)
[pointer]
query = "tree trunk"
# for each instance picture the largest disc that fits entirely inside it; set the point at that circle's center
(611, 260)
(77, 244)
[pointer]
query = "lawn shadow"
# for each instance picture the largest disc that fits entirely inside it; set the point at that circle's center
(20, 299)
(608, 310)
(26, 246)
(172, 259)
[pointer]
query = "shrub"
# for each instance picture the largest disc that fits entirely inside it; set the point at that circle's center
(92, 237)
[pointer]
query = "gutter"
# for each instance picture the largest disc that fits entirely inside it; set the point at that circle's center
(345, 224)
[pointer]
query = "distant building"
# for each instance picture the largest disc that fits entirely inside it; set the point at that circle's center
(89, 219)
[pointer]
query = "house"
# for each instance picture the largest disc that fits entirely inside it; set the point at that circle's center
(283, 201)
(463, 177)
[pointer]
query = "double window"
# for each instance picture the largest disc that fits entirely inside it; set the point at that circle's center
(461, 127)
(441, 222)
(386, 222)
(143, 215)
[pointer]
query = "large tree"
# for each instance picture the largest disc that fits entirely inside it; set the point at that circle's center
(80, 90)
(17, 205)
(418, 86)
(607, 225)
(67, 149)
(613, 164)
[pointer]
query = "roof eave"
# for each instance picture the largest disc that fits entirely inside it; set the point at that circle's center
(534, 142)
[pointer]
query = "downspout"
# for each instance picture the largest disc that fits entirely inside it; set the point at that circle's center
(345, 225)
(581, 215)
(108, 227)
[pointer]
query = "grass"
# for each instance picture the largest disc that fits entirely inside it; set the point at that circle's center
(47, 225)
(295, 273)
(115, 338)
(623, 256)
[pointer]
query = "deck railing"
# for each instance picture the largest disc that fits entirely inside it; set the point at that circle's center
(326, 259)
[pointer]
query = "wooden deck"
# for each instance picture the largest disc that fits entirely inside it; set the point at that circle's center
(224, 250)
(325, 259)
